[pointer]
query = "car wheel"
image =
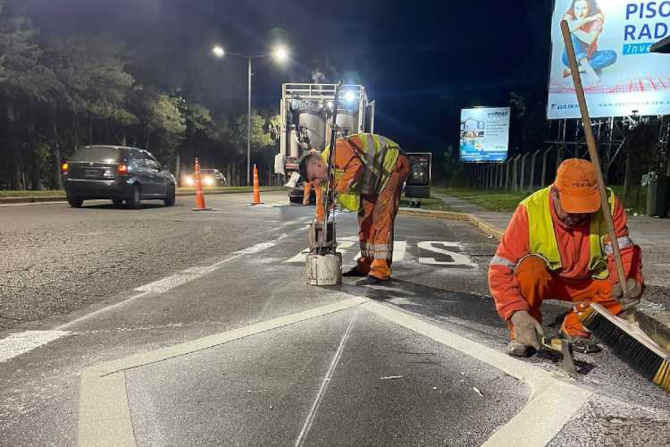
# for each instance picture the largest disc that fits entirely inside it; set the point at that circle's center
(170, 199)
(135, 200)
(75, 202)
(117, 202)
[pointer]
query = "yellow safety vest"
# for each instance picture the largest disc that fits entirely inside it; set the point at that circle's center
(542, 238)
(379, 156)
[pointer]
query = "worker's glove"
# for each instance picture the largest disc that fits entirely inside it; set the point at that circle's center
(631, 298)
(527, 330)
(633, 293)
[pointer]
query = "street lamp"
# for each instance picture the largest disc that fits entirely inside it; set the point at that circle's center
(280, 54)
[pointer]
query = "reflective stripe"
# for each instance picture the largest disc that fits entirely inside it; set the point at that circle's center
(498, 260)
(624, 242)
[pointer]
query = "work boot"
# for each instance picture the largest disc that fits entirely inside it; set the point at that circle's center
(516, 349)
(374, 281)
(585, 344)
(354, 273)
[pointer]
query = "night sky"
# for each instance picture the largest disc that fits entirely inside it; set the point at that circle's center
(421, 60)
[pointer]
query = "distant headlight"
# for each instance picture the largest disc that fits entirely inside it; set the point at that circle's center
(208, 181)
(188, 181)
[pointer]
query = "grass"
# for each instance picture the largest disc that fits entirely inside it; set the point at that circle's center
(432, 203)
(492, 200)
(507, 201)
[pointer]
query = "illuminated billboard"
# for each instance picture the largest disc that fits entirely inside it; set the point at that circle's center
(484, 134)
(611, 40)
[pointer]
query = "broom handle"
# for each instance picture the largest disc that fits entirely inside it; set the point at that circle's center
(593, 152)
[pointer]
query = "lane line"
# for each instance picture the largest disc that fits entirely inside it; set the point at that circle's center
(549, 395)
(22, 342)
(104, 413)
(324, 385)
(178, 279)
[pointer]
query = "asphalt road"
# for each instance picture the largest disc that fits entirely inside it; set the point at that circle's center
(228, 346)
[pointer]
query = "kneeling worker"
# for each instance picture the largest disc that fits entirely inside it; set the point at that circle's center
(374, 168)
(556, 247)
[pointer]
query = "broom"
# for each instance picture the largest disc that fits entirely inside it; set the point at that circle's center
(628, 344)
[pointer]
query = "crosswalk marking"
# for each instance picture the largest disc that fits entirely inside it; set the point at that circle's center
(22, 342)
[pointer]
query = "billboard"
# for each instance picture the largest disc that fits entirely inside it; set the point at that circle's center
(611, 40)
(484, 134)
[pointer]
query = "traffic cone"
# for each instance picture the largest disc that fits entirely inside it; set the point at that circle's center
(257, 189)
(199, 196)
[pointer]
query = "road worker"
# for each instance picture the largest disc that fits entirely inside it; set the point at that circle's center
(370, 171)
(556, 247)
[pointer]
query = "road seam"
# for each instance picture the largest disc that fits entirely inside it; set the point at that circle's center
(104, 413)
(324, 385)
(549, 394)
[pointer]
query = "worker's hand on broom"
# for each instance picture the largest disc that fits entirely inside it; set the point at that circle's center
(632, 296)
(527, 330)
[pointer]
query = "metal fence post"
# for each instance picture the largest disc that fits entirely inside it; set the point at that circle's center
(515, 181)
(543, 180)
(531, 183)
(507, 168)
(522, 175)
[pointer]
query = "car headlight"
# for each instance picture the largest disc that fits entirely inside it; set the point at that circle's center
(209, 181)
(188, 180)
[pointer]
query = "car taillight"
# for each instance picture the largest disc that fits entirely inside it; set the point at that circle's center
(122, 169)
(64, 168)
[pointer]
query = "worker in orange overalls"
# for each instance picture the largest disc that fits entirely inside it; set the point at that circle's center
(373, 168)
(555, 247)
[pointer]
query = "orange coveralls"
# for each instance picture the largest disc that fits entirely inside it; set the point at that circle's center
(377, 212)
(521, 282)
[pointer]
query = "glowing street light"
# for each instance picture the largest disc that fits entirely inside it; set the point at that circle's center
(280, 54)
(349, 97)
(218, 51)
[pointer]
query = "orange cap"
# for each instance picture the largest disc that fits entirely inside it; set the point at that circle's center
(578, 186)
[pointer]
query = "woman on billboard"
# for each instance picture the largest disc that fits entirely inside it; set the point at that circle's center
(586, 21)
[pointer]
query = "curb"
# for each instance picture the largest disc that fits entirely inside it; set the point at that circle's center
(45, 199)
(450, 215)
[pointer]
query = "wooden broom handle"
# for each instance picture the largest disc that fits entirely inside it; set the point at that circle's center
(593, 152)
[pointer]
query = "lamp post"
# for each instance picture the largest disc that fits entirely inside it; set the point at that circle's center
(280, 54)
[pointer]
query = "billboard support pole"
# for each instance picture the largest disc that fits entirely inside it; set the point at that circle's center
(593, 152)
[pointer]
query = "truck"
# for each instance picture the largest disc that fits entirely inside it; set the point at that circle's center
(306, 112)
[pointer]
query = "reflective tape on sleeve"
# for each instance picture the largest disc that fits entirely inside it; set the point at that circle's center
(498, 260)
(624, 242)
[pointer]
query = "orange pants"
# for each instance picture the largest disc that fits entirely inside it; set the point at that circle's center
(537, 283)
(376, 217)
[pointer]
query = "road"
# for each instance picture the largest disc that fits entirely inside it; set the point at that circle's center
(163, 326)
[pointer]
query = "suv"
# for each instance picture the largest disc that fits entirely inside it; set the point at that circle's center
(118, 173)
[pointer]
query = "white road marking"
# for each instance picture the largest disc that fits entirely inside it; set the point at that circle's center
(324, 385)
(22, 342)
(104, 415)
(552, 401)
(459, 259)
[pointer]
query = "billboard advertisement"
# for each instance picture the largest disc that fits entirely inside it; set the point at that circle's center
(611, 40)
(484, 134)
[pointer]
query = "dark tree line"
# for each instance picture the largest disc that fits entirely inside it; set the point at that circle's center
(62, 92)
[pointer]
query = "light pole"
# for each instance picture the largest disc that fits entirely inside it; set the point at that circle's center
(280, 54)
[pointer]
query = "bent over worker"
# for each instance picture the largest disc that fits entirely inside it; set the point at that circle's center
(370, 171)
(556, 247)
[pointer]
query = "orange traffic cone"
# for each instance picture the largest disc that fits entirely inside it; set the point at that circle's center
(199, 196)
(257, 189)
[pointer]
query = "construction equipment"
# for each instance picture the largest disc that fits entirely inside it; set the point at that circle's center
(418, 182)
(323, 265)
(306, 122)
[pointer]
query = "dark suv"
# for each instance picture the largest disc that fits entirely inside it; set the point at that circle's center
(118, 173)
